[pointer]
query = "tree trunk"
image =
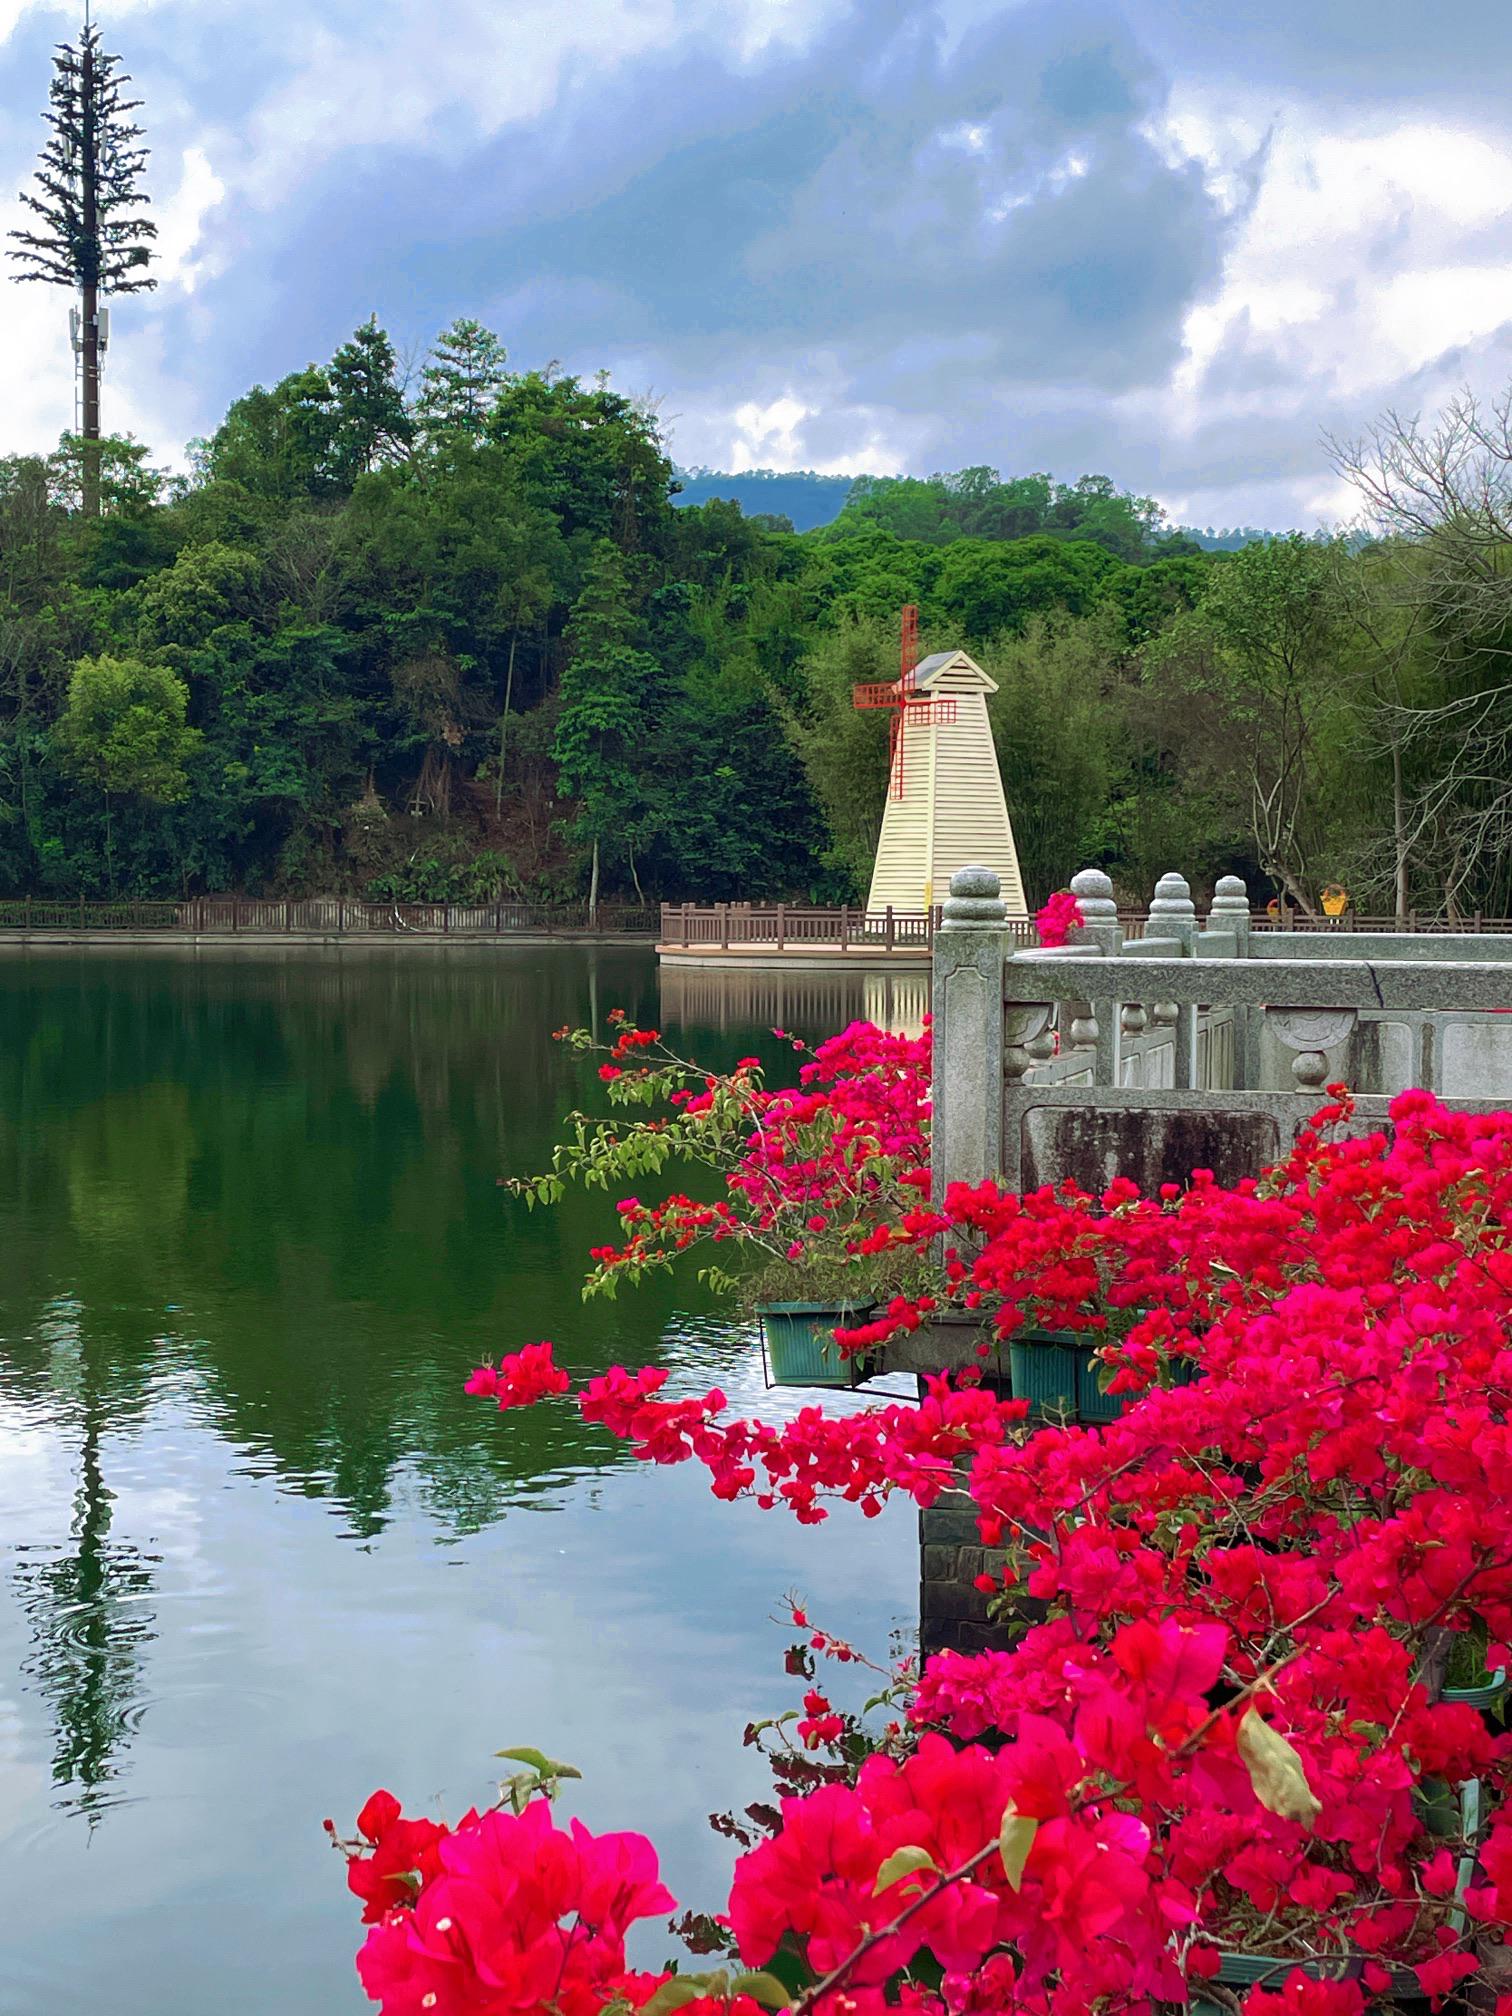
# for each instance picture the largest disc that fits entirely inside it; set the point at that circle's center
(1279, 872)
(640, 894)
(593, 888)
(23, 724)
(90, 332)
(504, 720)
(1399, 835)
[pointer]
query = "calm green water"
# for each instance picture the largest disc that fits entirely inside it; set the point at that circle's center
(258, 1553)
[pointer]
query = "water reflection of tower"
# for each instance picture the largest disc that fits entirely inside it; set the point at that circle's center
(816, 1004)
(85, 1601)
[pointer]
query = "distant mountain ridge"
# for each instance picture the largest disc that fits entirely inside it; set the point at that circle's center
(800, 495)
(808, 499)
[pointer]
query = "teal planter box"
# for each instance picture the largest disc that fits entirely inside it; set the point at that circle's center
(1486, 1696)
(1048, 1368)
(798, 1342)
(1056, 1371)
(1092, 1403)
(1244, 1969)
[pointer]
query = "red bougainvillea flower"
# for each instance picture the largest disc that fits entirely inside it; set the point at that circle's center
(513, 1913)
(1058, 918)
(521, 1378)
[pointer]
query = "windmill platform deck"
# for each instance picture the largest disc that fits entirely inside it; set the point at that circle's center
(802, 938)
(809, 956)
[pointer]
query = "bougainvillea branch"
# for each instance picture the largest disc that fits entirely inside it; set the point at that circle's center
(1217, 1726)
(806, 1174)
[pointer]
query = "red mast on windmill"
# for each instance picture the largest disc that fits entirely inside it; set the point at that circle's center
(903, 699)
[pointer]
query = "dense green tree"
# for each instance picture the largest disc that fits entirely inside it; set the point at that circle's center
(460, 381)
(127, 483)
(978, 504)
(480, 648)
(992, 509)
(1056, 721)
(844, 752)
(1093, 509)
(606, 688)
(1148, 598)
(207, 586)
(589, 454)
(370, 421)
(986, 587)
(275, 444)
(125, 728)
(1258, 667)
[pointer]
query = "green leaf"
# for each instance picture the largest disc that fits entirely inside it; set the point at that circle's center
(536, 1759)
(908, 1861)
(539, 1762)
(1015, 1839)
(674, 1994)
(763, 1988)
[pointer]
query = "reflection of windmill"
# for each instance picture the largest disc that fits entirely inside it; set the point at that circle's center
(85, 1605)
(904, 700)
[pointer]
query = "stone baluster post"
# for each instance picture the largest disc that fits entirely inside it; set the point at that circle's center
(969, 949)
(1231, 912)
(1310, 1033)
(1100, 926)
(1100, 932)
(1173, 915)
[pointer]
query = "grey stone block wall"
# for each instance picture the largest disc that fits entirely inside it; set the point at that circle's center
(952, 1610)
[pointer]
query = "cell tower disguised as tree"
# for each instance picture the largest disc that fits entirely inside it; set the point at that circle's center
(91, 235)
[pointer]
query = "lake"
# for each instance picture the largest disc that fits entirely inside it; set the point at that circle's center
(258, 1552)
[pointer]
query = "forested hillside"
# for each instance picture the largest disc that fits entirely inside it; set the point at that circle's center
(458, 640)
(807, 500)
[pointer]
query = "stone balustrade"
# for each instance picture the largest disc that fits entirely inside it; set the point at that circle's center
(1200, 1039)
(1194, 1043)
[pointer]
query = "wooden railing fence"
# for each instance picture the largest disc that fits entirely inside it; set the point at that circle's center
(325, 916)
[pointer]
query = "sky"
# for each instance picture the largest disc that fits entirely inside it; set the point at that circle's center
(1178, 242)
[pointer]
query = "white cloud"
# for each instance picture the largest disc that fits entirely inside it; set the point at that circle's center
(1363, 272)
(1357, 262)
(396, 81)
(773, 436)
(1364, 261)
(1050, 181)
(14, 12)
(785, 427)
(180, 222)
(1367, 261)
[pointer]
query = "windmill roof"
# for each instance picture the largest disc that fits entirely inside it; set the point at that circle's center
(953, 671)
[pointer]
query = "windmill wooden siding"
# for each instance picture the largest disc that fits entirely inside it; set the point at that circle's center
(951, 813)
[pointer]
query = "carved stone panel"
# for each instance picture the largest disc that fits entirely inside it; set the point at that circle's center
(968, 1087)
(1093, 1144)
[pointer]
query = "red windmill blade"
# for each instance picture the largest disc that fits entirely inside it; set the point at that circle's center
(903, 699)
